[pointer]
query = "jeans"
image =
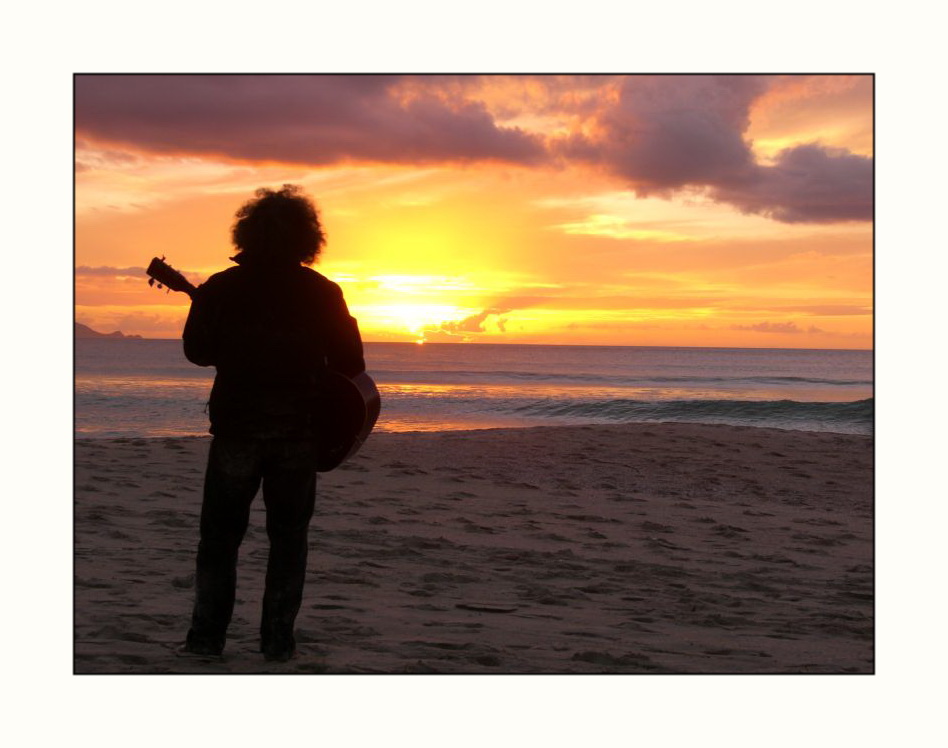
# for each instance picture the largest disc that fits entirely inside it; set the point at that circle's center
(235, 470)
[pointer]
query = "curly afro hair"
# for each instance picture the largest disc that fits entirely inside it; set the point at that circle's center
(277, 227)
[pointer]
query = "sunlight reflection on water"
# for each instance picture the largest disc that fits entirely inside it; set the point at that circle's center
(147, 388)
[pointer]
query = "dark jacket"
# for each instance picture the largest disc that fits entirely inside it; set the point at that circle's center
(269, 332)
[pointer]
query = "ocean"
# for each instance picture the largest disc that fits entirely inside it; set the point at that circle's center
(146, 388)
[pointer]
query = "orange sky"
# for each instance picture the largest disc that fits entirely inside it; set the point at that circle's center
(668, 210)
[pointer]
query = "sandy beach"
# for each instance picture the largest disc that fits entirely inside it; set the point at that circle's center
(640, 548)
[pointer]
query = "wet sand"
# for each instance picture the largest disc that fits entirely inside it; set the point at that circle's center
(640, 548)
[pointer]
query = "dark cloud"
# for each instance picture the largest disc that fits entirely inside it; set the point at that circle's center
(667, 133)
(313, 119)
(807, 184)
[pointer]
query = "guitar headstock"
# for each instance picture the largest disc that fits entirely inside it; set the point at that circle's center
(161, 272)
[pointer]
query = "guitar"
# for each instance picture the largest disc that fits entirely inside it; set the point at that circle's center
(349, 407)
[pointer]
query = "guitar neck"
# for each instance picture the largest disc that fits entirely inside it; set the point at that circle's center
(189, 289)
(167, 277)
(183, 286)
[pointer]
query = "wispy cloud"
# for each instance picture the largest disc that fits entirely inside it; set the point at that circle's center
(110, 272)
(786, 328)
(616, 227)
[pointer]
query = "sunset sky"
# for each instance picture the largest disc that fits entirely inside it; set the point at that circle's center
(640, 210)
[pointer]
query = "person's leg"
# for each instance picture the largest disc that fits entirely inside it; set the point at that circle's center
(289, 492)
(231, 482)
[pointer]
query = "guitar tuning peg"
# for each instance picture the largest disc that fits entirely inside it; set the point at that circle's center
(160, 286)
(151, 281)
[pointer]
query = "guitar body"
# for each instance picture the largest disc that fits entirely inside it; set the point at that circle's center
(345, 409)
(345, 413)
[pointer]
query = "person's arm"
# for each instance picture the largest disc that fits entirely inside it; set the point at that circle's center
(343, 341)
(199, 337)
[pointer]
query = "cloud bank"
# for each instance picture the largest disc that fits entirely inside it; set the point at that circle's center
(311, 119)
(664, 134)
(657, 135)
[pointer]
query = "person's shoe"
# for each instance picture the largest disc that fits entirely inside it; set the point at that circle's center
(277, 645)
(203, 646)
(281, 655)
(278, 653)
(279, 648)
(201, 651)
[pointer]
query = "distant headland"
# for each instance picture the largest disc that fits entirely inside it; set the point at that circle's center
(84, 331)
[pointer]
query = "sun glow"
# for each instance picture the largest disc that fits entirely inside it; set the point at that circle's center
(408, 319)
(424, 284)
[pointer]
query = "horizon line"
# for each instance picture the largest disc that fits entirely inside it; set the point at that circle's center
(422, 344)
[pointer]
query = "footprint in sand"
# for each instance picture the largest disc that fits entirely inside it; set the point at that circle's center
(818, 521)
(609, 660)
(729, 531)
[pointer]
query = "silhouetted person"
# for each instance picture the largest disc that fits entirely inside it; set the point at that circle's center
(269, 325)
